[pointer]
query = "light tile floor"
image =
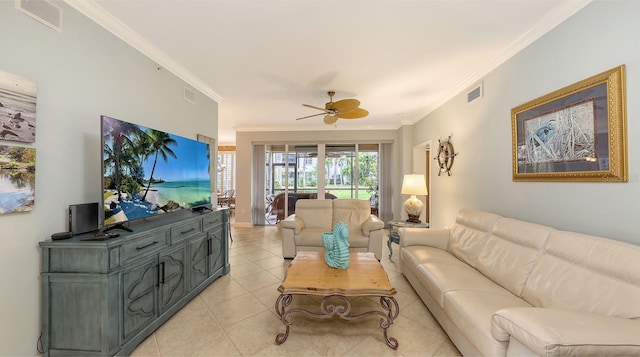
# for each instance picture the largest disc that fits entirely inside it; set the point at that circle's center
(235, 315)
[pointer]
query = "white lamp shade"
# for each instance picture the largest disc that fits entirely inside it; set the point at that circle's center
(414, 185)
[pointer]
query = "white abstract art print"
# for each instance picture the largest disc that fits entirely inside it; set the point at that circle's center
(17, 108)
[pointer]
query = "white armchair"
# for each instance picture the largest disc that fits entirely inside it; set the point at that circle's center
(303, 230)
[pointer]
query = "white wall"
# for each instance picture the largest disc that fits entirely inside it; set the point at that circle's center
(600, 37)
(244, 156)
(81, 73)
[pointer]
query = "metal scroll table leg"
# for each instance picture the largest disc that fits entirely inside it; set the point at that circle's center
(282, 302)
(341, 306)
(390, 305)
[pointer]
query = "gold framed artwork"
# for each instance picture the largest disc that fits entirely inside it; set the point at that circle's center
(577, 133)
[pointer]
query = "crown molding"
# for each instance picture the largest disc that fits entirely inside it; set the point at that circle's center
(553, 18)
(99, 15)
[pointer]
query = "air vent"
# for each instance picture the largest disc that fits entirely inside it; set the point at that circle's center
(189, 95)
(42, 10)
(475, 93)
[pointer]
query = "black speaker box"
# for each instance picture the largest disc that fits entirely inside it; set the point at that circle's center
(83, 218)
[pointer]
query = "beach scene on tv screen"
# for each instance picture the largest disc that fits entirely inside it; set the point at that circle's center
(147, 172)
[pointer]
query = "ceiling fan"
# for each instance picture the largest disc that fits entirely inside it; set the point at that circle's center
(342, 109)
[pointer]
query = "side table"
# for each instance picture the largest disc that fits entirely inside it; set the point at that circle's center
(394, 236)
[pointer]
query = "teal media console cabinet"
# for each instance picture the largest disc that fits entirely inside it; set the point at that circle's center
(103, 298)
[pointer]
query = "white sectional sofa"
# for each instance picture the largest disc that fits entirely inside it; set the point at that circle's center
(500, 286)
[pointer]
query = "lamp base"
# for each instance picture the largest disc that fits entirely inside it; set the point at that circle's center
(413, 207)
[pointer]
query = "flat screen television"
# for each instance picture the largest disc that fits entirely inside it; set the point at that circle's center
(148, 172)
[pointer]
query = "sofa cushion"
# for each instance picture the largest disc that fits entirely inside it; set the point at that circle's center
(433, 237)
(440, 278)
(471, 311)
(352, 212)
(313, 237)
(554, 332)
(587, 273)
(310, 237)
(357, 239)
(416, 255)
(315, 213)
(470, 233)
(511, 251)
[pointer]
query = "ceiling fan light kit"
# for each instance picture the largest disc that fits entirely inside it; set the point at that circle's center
(342, 109)
(328, 119)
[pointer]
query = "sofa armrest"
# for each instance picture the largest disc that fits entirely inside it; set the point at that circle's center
(550, 332)
(373, 223)
(438, 238)
(293, 222)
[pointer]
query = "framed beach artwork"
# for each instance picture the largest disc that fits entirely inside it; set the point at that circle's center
(17, 178)
(17, 108)
(577, 133)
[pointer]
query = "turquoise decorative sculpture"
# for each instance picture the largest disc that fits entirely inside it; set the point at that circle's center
(336, 244)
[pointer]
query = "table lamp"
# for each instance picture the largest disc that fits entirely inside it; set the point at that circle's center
(414, 185)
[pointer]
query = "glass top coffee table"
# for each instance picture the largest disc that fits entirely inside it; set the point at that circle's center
(309, 274)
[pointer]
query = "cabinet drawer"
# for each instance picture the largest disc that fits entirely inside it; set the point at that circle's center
(213, 221)
(182, 231)
(144, 245)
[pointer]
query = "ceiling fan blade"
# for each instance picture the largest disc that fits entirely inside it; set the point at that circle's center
(344, 105)
(314, 107)
(330, 119)
(354, 114)
(310, 116)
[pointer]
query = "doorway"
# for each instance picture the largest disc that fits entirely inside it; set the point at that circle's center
(427, 173)
(422, 165)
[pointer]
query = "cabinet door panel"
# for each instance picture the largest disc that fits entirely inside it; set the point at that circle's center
(217, 247)
(173, 275)
(75, 311)
(140, 296)
(199, 261)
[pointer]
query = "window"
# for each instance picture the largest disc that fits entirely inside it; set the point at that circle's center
(347, 171)
(226, 171)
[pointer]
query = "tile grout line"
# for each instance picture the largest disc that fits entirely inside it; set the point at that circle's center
(224, 329)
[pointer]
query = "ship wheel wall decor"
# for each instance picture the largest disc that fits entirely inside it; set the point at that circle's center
(445, 156)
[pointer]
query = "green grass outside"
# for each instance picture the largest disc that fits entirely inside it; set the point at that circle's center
(363, 195)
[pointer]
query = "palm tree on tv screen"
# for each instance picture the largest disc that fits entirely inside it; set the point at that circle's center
(119, 132)
(141, 150)
(160, 142)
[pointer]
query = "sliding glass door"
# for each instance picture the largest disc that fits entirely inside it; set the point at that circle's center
(339, 169)
(352, 170)
(299, 174)
(306, 168)
(294, 171)
(369, 174)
